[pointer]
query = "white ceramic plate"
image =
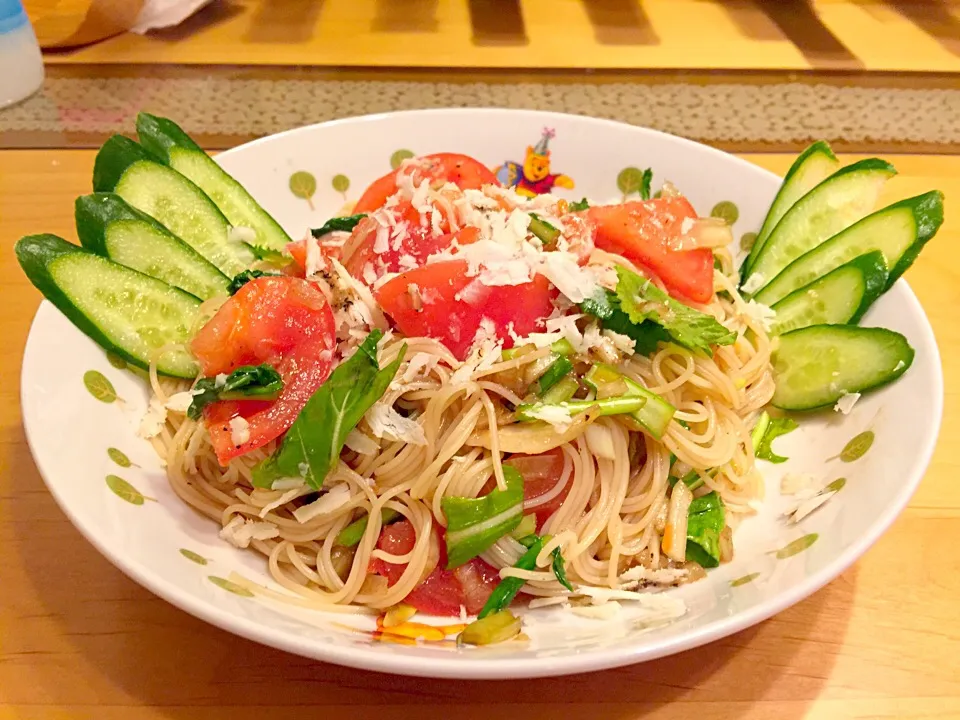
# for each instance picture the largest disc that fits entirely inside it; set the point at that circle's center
(305, 175)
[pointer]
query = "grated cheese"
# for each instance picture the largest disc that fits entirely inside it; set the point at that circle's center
(846, 402)
(179, 402)
(332, 500)
(358, 442)
(753, 283)
(239, 431)
(153, 420)
(760, 313)
(639, 574)
(240, 531)
(289, 495)
(384, 421)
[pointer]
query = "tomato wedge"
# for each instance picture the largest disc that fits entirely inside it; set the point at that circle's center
(642, 231)
(442, 592)
(461, 170)
(283, 321)
(440, 301)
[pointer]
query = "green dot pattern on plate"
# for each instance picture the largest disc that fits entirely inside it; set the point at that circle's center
(747, 240)
(744, 580)
(229, 586)
(629, 180)
(857, 447)
(193, 557)
(116, 361)
(398, 157)
(125, 491)
(303, 185)
(797, 546)
(727, 211)
(835, 486)
(98, 386)
(341, 183)
(119, 457)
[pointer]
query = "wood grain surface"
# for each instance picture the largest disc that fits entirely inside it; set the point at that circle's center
(80, 640)
(886, 35)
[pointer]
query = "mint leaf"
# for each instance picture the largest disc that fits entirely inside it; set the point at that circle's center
(646, 335)
(641, 300)
(312, 445)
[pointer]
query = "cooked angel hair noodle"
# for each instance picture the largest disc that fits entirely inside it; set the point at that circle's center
(614, 512)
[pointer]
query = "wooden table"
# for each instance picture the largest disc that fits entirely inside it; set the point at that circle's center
(78, 639)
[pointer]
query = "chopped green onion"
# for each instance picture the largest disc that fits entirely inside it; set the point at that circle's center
(561, 392)
(560, 368)
(474, 524)
(491, 629)
(562, 347)
(607, 406)
(544, 230)
(654, 415)
(527, 526)
(353, 533)
(507, 590)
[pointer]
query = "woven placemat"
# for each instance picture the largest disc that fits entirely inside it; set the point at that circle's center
(222, 110)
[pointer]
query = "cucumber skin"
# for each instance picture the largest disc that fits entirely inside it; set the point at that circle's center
(872, 269)
(819, 147)
(35, 253)
(867, 165)
(94, 213)
(928, 213)
(160, 136)
(852, 330)
(114, 157)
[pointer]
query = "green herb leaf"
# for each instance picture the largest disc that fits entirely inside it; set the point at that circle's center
(474, 524)
(645, 181)
(341, 183)
(797, 546)
(98, 386)
(229, 586)
(125, 491)
(241, 279)
(248, 382)
(560, 569)
(193, 557)
(312, 445)
(688, 327)
(118, 457)
(606, 306)
(857, 447)
(504, 593)
(398, 157)
(773, 429)
(744, 579)
(338, 224)
(352, 534)
(578, 205)
(705, 522)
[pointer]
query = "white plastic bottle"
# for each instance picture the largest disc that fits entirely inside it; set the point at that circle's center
(21, 65)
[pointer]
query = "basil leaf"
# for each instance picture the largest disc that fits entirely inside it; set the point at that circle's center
(560, 569)
(771, 430)
(688, 327)
(646, 335)
(578, 205)
(705, 522)
(474, 524)
(248, 382)
(241, 279)
(312, 445)
(338, 224)
(504, 593)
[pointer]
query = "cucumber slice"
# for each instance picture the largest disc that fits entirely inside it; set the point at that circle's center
(812, 166)
(836, 203)
(131, 172)
(899, 231)
(815, 366)
(124, 311)
(165, 139)
(108, 226)
(841, 296)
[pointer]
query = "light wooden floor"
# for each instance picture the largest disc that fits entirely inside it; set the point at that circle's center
(871, 35)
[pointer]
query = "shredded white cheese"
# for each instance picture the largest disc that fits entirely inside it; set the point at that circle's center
(289, 495)
(358, 442)
(334, 499)
(385, 421)
(153, 420)
(239, 430)
(220, 380)
(753, 283)
(846, 402)
(241, 531)
(179, 402)
(639, 574)
(556, 415)
(760, 313)
(623, 343)
(287, 483)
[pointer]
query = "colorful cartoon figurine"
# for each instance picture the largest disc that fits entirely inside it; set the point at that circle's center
(533, 177)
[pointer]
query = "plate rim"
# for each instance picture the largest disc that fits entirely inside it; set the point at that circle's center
(478, 668)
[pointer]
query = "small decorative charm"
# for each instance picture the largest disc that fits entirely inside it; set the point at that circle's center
(533, 176)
